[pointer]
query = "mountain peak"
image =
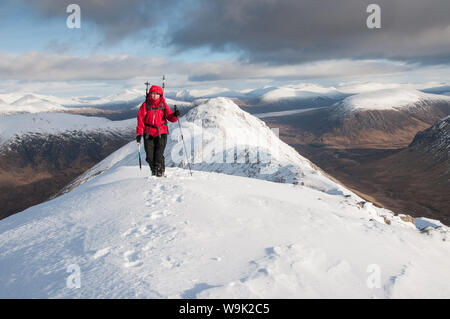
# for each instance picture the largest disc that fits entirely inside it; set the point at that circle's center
(388, 99)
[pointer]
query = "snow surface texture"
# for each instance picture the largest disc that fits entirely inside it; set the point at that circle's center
(388, 99)
(213, 235)
(17, 126)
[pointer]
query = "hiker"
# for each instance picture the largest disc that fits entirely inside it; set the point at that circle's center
(152, 124)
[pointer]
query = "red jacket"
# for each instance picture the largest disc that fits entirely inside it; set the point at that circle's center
(153, 119)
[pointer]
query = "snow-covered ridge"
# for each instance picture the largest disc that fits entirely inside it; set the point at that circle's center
(56, 123)
(388, 99)
(300, 91)
(17, 103)
(225, 139)
(30, 103)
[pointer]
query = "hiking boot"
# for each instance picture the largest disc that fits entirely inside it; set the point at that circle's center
(159, 170)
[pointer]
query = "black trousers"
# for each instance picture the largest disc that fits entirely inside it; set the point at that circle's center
(154, 148)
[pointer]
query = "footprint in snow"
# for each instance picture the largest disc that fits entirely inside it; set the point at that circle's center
(169, 262)
(130, 232)
(132, 259)
(177, 198)
(146, 229)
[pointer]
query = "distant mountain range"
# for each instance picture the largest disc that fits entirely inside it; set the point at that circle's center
(381, 119)
(413, 180)
(390, 146)
(41, 153)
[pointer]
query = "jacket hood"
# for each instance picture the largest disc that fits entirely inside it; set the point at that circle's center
(156, 89)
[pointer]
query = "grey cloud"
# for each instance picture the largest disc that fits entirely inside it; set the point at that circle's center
(42, 66)
(116, 19)
(276, 31)
(292, 31)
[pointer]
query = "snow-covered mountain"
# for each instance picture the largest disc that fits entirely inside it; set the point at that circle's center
(193, 94)
(416, 179)
(388, 118)
(20, 126)
(211, 235)
(117, 106)
(300, 92)
(272, 97)
(29, 103)
(41, 153)
(389, 99)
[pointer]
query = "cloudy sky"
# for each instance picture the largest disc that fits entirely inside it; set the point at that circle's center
(238, 44)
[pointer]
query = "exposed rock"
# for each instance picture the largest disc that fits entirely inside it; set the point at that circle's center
(407, 219)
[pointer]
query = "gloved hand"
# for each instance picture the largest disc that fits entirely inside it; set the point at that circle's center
(176, 112)
(138, 138)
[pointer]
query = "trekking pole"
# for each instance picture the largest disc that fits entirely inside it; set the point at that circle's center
(185, 152)
(140, 161)
(139, 144)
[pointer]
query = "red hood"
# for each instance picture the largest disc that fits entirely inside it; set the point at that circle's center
(156, 89)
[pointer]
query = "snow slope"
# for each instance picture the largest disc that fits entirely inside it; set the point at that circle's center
(213, 235)
(389, 99)
(18, 125)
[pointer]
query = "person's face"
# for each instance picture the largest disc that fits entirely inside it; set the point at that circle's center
(155, 95)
